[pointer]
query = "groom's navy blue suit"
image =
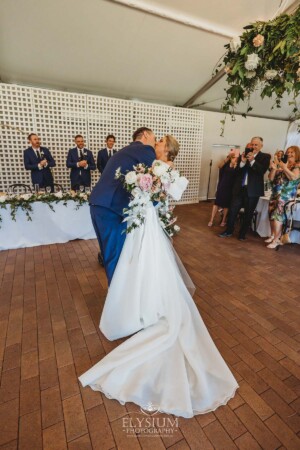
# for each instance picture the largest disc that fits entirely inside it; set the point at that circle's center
(109, 198)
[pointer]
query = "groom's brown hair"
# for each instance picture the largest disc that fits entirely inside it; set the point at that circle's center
(139, 132)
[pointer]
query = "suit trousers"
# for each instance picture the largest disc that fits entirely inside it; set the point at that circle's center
(110, 230)
(241, 201)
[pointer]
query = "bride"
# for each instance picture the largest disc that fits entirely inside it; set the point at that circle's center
(170, 362)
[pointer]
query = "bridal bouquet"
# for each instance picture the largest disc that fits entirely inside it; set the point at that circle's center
(153, 184)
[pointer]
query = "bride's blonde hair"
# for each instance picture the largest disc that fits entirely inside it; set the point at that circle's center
(172, 146)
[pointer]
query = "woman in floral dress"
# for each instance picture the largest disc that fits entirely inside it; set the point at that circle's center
(285, 179)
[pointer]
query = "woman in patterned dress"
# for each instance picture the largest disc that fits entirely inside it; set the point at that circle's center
(285, 179)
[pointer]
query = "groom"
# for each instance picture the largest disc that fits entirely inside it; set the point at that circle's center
(109, 198)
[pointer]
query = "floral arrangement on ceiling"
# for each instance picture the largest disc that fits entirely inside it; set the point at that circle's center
(265, 58)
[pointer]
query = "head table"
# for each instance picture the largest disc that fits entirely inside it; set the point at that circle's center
(52, 219)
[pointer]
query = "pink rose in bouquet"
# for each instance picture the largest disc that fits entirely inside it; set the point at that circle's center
(145, 182)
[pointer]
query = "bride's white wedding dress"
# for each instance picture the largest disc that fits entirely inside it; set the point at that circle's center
(171, 362)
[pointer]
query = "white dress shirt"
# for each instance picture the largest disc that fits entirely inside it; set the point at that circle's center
(242, 164)
(79, 156)
(36, 150)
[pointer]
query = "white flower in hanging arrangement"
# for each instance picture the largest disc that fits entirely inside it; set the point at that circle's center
(271, 74)
(298, 73)
(235, 44)
(252, 61)
(250, 74)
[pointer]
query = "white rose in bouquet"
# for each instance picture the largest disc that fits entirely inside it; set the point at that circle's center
(235, 44)
(2, 198)
(176, 228)
(271, 74)
(252, 61)
(160, 168)
(131, 177)
(58, 194)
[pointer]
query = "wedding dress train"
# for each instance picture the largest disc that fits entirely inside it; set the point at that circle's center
(170, 363)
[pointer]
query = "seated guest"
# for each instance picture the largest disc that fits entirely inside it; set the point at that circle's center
(227, 174)
(248, 186)
(81, 161)
(106, 153)
(39, 160)
(286, 177)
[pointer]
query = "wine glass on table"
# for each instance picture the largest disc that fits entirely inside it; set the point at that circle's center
(81, 188)
(48, 189)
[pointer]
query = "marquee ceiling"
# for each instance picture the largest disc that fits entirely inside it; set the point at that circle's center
(153, 50)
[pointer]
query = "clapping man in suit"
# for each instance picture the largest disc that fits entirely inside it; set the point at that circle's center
(106, 153)
(109, 198)
(39, 160)
(248, 187)
(81, 161)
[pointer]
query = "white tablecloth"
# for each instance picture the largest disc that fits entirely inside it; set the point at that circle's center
(47, 227)
(262, 222)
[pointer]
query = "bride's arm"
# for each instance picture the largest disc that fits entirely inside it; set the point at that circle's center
(171, 164)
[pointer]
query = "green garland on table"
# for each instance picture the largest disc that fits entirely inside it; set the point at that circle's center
(265, 57)
(25, 201)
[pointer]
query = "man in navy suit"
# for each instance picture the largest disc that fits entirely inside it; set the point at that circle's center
(106, 153)
(39, 160)
(109, 198)
(81, 161)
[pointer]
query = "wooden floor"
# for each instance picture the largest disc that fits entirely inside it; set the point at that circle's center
(50, 304)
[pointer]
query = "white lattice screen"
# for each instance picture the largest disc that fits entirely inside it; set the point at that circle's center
(58, 116)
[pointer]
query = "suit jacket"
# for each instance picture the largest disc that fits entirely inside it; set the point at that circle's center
(110, 192)
(255, 185)
(79, 175)
(43, 177)
(102, 159)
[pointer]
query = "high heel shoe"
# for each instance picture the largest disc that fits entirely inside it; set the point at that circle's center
(223, 224)
(274, 244)
(270, 239)
(210, 223)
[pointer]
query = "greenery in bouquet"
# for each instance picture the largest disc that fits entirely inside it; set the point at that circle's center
(149, 184)
(265, 58)
(25, 201)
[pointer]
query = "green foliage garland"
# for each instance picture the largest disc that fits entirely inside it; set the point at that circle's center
(25, 202)
(277, 45)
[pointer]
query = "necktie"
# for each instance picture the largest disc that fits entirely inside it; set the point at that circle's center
(245, 177)
(81, 154)
(109, 154)
(38, 155)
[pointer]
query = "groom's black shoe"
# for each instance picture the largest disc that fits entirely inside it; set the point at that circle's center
(225, 234)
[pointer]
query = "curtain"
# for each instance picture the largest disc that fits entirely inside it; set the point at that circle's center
(293, 134)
